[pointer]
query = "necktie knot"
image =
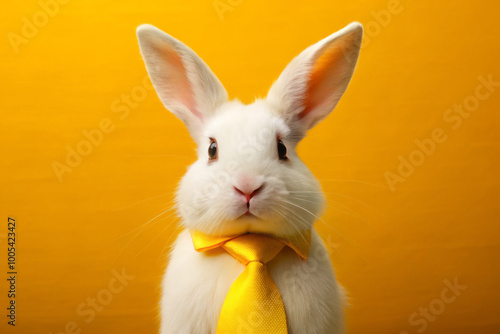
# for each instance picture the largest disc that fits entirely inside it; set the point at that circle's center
(253, 248)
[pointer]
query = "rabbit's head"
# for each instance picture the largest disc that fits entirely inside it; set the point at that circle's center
(248, 177)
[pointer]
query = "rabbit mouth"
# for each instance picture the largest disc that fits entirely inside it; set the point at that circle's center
(248, 215)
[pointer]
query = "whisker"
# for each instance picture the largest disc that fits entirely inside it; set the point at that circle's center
(321, 220)
(162, 155)
(143, 224)
(347, 213)
(167, 242)
(146, 225)
(342, 195)
(357, 181)
(360, 202)
(354, 213)
(144, 200)
(152, 240)
(289, 215)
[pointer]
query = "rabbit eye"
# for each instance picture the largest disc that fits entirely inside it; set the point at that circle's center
(212, 149)
(282, 150)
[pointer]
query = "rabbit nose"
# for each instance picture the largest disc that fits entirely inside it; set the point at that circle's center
(248, 193)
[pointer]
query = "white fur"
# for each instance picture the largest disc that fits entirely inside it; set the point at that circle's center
(289, 199)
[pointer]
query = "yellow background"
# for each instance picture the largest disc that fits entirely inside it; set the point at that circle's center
(393, 249)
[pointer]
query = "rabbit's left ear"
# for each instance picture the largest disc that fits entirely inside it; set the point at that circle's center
(185, 84)
(313, 83)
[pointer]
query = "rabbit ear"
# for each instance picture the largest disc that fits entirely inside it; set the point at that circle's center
(185, 84)
(313, 83)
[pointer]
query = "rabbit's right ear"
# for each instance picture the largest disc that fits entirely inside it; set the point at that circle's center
(184, 83)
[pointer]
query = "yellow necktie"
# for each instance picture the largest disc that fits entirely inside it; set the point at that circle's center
(253, 303)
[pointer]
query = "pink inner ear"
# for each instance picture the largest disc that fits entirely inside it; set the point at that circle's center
(181, 89)
(326, 78)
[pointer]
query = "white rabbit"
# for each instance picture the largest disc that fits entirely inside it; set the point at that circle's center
(248, 178)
